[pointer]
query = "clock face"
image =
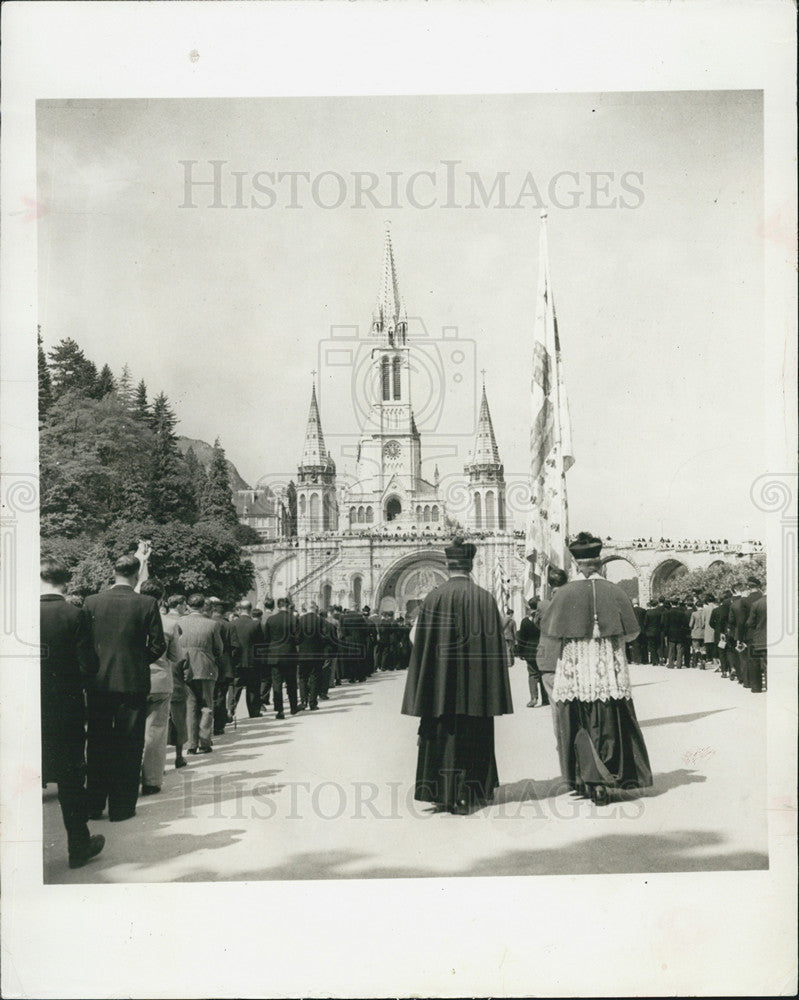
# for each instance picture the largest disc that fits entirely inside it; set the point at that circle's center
(391, 449)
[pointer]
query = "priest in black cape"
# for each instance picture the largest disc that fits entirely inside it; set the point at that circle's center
(457, 683)
(600, 742)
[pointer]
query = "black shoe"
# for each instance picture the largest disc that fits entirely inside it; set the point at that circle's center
(150, 789)
(92, 849)
(314, 708)
(180, 762)
(192, 750)
(280, 715)
(205, 750)
(299, 708)
(324, 697)
(97, 814)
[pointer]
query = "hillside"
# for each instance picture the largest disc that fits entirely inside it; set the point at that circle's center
(203, 452)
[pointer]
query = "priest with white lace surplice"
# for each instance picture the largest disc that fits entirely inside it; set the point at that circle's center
(601, 744)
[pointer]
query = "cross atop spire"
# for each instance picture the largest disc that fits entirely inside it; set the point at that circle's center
(389, 317)
(485, 451)
(314, 453)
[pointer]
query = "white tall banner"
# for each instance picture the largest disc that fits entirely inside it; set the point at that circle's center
(551, 452)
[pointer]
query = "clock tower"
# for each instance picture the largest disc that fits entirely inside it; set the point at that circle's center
(390, 450)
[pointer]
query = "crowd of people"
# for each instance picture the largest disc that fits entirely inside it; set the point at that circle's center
(725, 633)
(134, 670)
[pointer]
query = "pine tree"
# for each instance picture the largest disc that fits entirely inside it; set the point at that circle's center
(173, 493)
(291, 499)
(197, 477)
(141, 408)
(45, 382)
(216, 503)
(125, 388)
(105, 382)
(71, 370)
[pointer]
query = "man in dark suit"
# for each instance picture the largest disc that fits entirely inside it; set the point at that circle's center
(758, 640)
(230, 651)
(263, 666)
(67, 661)
(653, 624)
(249, 635)
(673, 627)
(311, 647)
(638, 645)
(280, 633)
(128, 637)
(753, 679)
(735, 622)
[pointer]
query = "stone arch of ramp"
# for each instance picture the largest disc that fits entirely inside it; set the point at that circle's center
(663, 572)
(406, 578)
(612, 556)
(260, 590)
(278, 572)
(618, 557)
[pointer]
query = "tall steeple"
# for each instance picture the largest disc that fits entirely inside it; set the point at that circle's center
(485, 450)
(317, 509)
(486, 476)
(314, 453)
(390, 318)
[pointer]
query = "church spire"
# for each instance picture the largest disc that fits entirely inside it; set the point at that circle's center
(314, 453)
(485, 451)
(389, 317)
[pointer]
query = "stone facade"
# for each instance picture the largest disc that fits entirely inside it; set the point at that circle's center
(380, 540)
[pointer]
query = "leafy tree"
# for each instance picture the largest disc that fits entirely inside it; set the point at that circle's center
(45, 382)
(105, 382)
(216, 501)
(140, 406)
(202, 557)
(715, 579)
(71, 370)
(93, 572)
(246, 535)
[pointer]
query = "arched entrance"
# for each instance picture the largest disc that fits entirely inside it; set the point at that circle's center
(665, 572)
(623, 573)
(327, 596)
(393, 508)
(357, 586)
(411, 579)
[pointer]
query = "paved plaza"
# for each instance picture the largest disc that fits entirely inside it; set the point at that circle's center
(328, 795)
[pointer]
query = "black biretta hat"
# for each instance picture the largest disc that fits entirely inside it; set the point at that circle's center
(460, 554)
(585, 546)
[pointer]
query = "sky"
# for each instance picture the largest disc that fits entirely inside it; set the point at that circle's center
(227, 298)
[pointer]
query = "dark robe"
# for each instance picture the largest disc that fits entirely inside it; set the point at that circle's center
(570, 615)
(457, 682)
(353, 646)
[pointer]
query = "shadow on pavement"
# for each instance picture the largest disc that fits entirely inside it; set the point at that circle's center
(691, 717)
(685, 851)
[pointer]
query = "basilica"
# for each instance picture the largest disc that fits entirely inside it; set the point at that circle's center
(378, 539)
